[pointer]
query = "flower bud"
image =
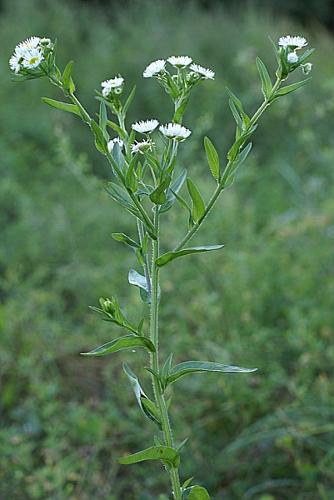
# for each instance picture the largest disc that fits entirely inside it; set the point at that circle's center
(307, 68)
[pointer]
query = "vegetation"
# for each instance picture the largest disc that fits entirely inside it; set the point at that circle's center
(270, 304)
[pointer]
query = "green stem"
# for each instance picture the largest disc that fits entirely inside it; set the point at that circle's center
(154, 335)
(226, 172)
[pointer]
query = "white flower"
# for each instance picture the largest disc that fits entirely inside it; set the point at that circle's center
(113, 83)
(292, 58)
(154, 68)
(145, 126)
(29, 43)
(32, 58)
(14, 62)
(297, 42)
(206, 73)
(141, 147)
(175, 131)
(180, 61)
(112, 143)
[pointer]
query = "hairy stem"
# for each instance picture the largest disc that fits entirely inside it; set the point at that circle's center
(154, 334)
(227, 170)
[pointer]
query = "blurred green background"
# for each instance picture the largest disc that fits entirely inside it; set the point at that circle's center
(266, 300)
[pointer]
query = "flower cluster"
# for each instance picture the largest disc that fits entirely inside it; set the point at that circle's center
(30, 54)
(158, 68)
(290, 60)
(113, 85)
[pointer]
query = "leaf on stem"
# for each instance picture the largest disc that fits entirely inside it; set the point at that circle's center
(198, 205)
(195, 493)
(158, 196)
(100, 141)
(147, 406)
(213, 158)
(173, 191)
(290, 88)
(67, 79)
(140, 281)
(265, 78)
(165, 453)
(63, 106)
(125, 239)
(121, 343)
(169, 256)
(189, 367)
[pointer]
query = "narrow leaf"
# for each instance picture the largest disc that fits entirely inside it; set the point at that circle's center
(189, 367)
(165, 453)
(265, 78)
(125, 239)
(169, 256)
(126, 342)
(173, 191)
(291, 88)
(63, 106)
(213, 158)
(129, 100)
(195, 493)
(66, 77)
(158, 196)
(198, 209)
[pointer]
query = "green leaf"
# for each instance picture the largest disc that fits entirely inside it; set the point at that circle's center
(67, 79)
(198, 208)
(189, 367)
(103, 118)
(195, 493)
(169, 256)
(173, 191)
(213, 158)
(130, 178)
(291, 88)
(158, 196)
(100, 141)
(147, 406)
(129, 100)
(237, 108)
(165, 453)
(126, 342)
(242, 156)
(265, 78)
(125, 239)
(117, 129)
(63, 106)
(121, 196)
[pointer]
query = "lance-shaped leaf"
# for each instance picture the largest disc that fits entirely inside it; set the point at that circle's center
(129, 100)
(265, 78)
(100, 141)
(198, 207)
(147, 406)
(126, 342)
(195, 493)
(291, 88)
(242, 156)
(67, 79)
(213, 158)
(189, 367)
(121, 196)
(103, 118)
(158, 196)
(124, 238)
(165, 453)
(241, 118)
(169, 256)
(173, 191)
(63, 106)
(140, 281)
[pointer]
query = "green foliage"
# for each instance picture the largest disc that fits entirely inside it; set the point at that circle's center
(268, 303)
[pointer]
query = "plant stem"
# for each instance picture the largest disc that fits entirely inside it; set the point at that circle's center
(154, 335)
(226, 172)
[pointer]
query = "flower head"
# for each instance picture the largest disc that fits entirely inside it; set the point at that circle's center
(109, 85)
(14, 62)
(154, 68)
(175, 131)
(180, 61)
(297, 42)
(32, 58)
(142, 147)
(113, 142)
(30, 43)
(203, 72)
(145, 126)
(307, 68)
(292, 58)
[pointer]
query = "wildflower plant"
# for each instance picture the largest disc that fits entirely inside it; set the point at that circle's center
(146, 182)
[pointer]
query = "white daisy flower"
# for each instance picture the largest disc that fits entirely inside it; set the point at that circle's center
(206, 73)
(14, 63)
(113, 142)
(180, 61)
(29, 43)
(292, 58)
(292, 41)
(145, 126)
(154, 68)
(141, 147)
(32, 58)
(175, 131)
(113, 83)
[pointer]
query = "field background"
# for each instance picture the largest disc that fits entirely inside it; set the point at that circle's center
(266, 300)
